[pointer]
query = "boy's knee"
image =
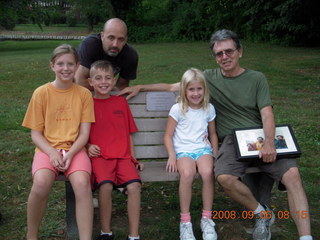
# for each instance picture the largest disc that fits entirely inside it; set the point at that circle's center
(105, 191)
(106, 187)
(134, 187)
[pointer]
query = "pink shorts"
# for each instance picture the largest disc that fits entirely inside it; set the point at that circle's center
(80, 162)
(119, 172)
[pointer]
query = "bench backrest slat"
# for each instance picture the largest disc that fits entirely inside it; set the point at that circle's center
(147, 124)
(150, 152)
(140, 111)
(151, 123)
(148, 138)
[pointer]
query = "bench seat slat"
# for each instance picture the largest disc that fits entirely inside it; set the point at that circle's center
(156, 172)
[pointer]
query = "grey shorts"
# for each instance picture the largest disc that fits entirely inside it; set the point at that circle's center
(226, 163)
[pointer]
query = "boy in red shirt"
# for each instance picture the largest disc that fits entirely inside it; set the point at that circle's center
(111, 150)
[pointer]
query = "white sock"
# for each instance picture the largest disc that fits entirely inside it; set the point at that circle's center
(259, 209)
(306, 237)
(134, 238)
(103, 233)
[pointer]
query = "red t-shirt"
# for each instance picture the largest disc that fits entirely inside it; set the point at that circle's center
(112, 128)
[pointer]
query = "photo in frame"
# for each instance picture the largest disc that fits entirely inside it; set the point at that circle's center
(248, 142)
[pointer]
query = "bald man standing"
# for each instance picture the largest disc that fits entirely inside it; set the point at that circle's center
(111, 45)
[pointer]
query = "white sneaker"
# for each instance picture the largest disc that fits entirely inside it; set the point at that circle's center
(208, 231)
(262, 228)
(186, 232)
(95, 203)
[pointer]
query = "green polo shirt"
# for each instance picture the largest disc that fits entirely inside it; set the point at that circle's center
(237, 100)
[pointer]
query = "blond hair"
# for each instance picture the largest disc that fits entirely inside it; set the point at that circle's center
(64, 49)
(192, 75)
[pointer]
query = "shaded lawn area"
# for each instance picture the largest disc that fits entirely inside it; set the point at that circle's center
(294, 78)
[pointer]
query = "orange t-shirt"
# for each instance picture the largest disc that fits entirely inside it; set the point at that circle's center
(59, 112)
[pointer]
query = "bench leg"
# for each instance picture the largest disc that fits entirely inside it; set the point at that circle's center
(261, 185)
(72, 227)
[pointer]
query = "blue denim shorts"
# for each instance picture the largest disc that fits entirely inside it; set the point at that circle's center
(195, 155)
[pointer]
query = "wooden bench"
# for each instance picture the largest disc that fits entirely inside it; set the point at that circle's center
(150, 111)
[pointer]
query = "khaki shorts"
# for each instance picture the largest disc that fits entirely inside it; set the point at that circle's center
(226, 163)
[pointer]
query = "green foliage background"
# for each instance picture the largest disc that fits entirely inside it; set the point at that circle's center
(287, 22)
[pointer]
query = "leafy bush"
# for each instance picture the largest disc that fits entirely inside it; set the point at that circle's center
(149, 33)
(57, 16)
(8, 18)
(289, 22)
(71, 19)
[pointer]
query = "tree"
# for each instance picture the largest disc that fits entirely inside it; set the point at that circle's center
(13, 11)
(95, 11)
(8, 16)
(125, 9)
(293, 22)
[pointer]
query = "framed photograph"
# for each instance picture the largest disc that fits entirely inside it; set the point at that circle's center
(248, 142)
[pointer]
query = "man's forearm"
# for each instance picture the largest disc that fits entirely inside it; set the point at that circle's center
(159, 87)
(268, 125)
(81, 77)
(84, 83)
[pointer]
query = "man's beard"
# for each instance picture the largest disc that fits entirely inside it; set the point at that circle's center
(113, 53)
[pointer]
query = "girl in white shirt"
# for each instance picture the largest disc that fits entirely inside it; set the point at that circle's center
(192, 143)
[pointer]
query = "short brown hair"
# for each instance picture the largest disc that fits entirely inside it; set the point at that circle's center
(103, 65)
(64, 49)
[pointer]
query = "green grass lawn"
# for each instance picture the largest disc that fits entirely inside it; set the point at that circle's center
(294, 77)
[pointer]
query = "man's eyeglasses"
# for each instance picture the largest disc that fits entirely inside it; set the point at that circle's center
(228, 52)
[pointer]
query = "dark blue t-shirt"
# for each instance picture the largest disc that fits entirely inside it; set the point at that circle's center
(91, 50)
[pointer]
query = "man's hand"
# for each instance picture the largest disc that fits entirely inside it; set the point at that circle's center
(268, 152)
(131, 91)
(121, 84)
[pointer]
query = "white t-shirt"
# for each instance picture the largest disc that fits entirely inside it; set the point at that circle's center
(191, 133)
